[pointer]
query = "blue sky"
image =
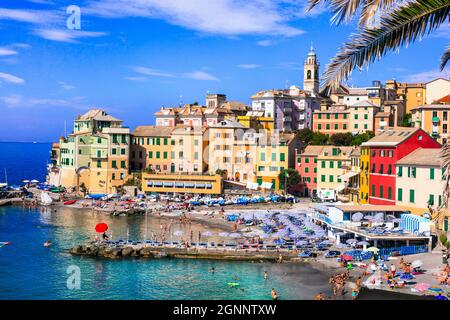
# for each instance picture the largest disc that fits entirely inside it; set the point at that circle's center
(132, 57)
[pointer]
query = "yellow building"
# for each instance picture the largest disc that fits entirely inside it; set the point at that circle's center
(433, 119)
(256, 120)
(332, 163)
(188, 149)
(182, 183)
(362, 116)
(151, 148)
(364, 175)
(413, 94)
(275, 153)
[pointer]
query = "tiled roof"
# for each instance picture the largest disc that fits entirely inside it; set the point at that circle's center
(365, 103)
(153, 131)
(445, 99)
(391, 136)
(422, 157)
(97, 114)
(432, 107)
(312, 151)
(228, 124)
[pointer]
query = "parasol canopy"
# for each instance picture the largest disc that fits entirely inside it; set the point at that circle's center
(357, 217)
(362, 243)
(416, 263)
(373, 249)
(101, 227)
(349, 241)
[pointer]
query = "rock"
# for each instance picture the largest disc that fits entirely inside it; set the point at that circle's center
(116, 252)
(146, 252)
(127, 251)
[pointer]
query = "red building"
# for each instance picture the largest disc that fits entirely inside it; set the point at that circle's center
(386, 149)
(306, 166)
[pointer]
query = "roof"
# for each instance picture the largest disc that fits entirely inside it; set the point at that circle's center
(167, 111)
(312, 151)
(235, 106)
(444, 100)
(422, 157)
(391, 137)
(153, 131)
(232, 124)
(432, 107)
(55, 145)
(98, 115)
(365, 103)
(287, 137)
(344, 151)
(368, 208)
(356, 152)
(382, 114)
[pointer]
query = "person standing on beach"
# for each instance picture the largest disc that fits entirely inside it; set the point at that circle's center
(393, 270)
(199, 236)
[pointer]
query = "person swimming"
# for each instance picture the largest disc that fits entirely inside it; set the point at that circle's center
(266, 275)
(212, 270)
(274, 294)
(47, 243)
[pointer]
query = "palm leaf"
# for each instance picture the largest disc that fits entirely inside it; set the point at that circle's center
(371, 7)
(396, 29)
(445, 57)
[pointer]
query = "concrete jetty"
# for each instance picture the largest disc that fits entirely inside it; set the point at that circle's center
(103, 250)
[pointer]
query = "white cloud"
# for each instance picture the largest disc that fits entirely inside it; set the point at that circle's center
(19, 101)
(7, 52)
(426, 76)
(66, 86)
(442, 32)
(11, 78)
(137, 79)
(265, 43)
(152, 72)
(66, 35)
(248, 66)
(221, 17)
(200, 75)
(30, 16)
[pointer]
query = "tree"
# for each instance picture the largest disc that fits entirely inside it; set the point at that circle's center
(305, 136)
(407, 120)
(288, 177)
(384, 25)
(319, 139)
(221, 172)
(341, 139)
(362, 137)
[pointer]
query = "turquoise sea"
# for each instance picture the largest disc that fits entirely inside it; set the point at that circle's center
(28, 270)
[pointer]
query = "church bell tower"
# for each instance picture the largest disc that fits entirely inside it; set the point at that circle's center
(311, 72)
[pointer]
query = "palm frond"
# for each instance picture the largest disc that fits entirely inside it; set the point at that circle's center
(396, 29)
(444, 58)
(371, 7)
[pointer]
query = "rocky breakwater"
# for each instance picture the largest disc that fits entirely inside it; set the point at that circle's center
(103, 250)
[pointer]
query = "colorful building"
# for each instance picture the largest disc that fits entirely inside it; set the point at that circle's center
(364, 177)
(433, 119)
(151, 148)
(182, 183)
(95, 156)
(334, 119)
(188, 150)
(386, 149)
(362, 116)
(332, 163)
(306, 167)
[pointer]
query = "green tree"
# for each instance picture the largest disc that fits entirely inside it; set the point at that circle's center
(407, 120)
(289, 176)
(361, 138)
(319, 139)
(384, 25)
(305, 136)
(341, 139)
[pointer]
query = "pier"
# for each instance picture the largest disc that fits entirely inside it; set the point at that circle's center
(158, 250)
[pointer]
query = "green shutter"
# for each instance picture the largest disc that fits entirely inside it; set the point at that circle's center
(431, 173)
(381, 191)
(389, 193)
(331, 178)
(400, 171)
(411, 196)
(331, 164)
(400, 194)
(431, 200)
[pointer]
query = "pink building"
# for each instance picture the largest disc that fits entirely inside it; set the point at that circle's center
(306, 166)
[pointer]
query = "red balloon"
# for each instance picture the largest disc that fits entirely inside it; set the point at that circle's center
(101, 227)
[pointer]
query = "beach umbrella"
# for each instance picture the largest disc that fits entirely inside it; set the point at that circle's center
(368, 217)
(178, 233)
(379, 217)
(362, 243)
(101, 227)
(301, 243)
(347, 257)
(224, 234)
(357, 216)
(349, 241)
(373, 249)
(416, 263)
(422, 286)
(234, 235)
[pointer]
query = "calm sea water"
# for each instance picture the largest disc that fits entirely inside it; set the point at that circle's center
(30, 271)
(23, 161)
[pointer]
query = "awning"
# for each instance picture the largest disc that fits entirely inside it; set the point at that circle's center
(348, 175)
(340, 187)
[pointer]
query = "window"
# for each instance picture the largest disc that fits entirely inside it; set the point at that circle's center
(339, 164)
(263, 156)
(319, 126)
(389, 169)
(315, 170)
(365, 126)
(400, 194)
(328, 126)
(158, 154)
(344, 126)
(319, 116)
(165, 154)
(150, 154)
(331, 164)
(195, 155)
(411, 196)
(373, 190)
(274, 157)
(122, 151)
(345, 116)
(336, 116)
(323, 164)
(306, 160)
(366, 117)
(381, 169)
(306, 170)
(99, 153)
(444, 116)
(431, 173)
(413, 172)
(331, 178)
(381, 191)
(114, 164)
(99, 164)
(336, 126)
(322, 178)
(166, 141)
(99, 140)
(444, 128)
(389, 193)
(113, 151)
(356, 117)
(122, 164)
(431, 200)
(113, 176)
(282, 157)
(356, 126)
(328, 116)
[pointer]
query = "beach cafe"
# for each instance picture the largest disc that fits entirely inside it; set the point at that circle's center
(388, 228)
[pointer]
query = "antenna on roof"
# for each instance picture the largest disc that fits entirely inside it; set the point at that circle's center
(181, 100)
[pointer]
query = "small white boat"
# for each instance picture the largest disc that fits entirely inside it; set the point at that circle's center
(45, 199)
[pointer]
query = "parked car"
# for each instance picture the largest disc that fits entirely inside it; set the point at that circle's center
(307, 254)
(332, 254)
